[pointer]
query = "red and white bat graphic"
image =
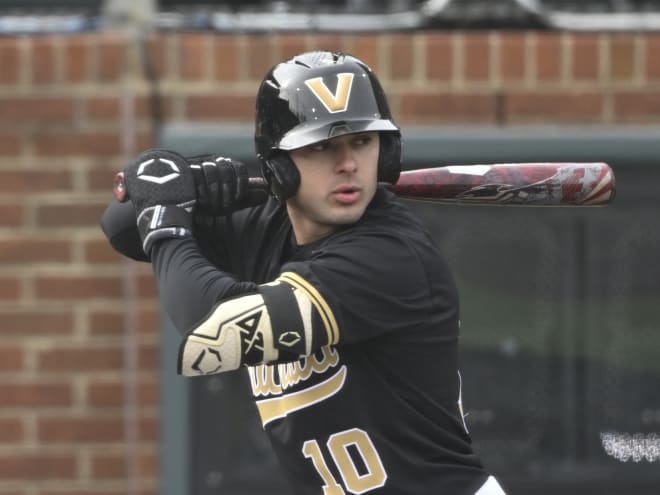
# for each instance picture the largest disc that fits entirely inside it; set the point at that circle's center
(532, 184)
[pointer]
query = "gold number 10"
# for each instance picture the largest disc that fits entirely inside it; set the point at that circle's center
(338, 445)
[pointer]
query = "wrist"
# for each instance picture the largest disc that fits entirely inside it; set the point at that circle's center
(163, 222)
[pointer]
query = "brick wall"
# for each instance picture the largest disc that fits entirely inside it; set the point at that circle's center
(79, 347)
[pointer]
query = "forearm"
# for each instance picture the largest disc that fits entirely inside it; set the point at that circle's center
(189, 286)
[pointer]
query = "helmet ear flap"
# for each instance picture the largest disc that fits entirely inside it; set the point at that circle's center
(282, 176)
(389, 159)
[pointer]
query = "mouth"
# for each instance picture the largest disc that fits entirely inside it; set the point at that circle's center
(347, 194)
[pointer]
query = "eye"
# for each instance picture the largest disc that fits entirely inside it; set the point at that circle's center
(322, 146)
(362, 139)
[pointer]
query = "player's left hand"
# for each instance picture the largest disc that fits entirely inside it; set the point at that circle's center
(161, 186)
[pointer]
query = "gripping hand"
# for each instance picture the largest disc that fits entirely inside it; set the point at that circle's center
(222, 186)
(161, 186)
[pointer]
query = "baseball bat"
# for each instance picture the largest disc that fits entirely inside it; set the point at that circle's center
(526, 184)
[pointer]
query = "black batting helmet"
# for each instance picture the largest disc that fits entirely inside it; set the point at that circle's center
(316, 96)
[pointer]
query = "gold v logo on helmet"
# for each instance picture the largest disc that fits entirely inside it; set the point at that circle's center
(337, 102)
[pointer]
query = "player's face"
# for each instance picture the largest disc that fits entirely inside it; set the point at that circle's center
(338, 179)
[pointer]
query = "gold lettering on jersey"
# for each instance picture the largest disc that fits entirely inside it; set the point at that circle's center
(279, 407)
(337, 102)
(264, 383)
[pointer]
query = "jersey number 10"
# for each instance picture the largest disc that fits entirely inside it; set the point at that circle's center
(344, 447)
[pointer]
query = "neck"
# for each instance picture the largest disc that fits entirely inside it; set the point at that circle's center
(306, 231)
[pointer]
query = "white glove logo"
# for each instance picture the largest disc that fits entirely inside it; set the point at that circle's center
(154, 178)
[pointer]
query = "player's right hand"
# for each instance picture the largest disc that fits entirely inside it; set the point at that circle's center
(222, 186)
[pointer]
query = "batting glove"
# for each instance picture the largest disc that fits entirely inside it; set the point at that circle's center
(161, 186)
(222, 186)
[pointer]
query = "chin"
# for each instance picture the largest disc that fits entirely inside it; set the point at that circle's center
(349, 216)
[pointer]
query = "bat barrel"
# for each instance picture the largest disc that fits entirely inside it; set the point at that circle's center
(530, 184)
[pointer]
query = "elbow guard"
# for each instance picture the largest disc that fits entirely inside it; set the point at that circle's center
(286, 320)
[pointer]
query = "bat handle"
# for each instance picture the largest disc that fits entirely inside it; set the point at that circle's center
(121, 194)
(119, 188)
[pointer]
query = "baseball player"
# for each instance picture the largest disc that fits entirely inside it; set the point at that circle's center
(330, 292)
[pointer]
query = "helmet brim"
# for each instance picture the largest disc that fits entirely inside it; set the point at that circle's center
(308, 134)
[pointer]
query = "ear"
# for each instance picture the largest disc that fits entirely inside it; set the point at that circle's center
(282, 176)
(389, 159)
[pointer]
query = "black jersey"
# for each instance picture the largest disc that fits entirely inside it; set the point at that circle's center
(379, 411)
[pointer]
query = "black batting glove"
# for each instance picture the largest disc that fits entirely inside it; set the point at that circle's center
(222, 186)
(161, 186)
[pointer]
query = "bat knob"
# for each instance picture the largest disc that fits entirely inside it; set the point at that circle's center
(119, 188)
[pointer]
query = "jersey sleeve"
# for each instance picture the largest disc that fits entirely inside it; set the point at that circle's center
(375, 284)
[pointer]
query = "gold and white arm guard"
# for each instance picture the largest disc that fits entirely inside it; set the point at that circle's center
(286, 320)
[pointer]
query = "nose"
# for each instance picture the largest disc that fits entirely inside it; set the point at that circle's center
(345, 159)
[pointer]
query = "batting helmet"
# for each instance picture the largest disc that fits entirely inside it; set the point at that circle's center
(316, 96)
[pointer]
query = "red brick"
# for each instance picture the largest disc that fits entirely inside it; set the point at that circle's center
(113, 466)
(652, 58)
(75, 214)
(81, 359)
(21, 466)
(226, 58)
(113, 394)
(43, 66)
(447, 107)
(37, 323)
(401, 57)
(97, 490)
(328, 41)
(10, 143)
(290, 44)
(101, 174)
(100, 251)
(622, 57)
(58, 143)
(585, 56)
(80, 429)
(476, 57)
(76, 58)
(148, 429)
(548, 56)
(102, 108)
(365, 47)
(146, 285)
(33, 181)
(156, 67)
(11, 358)
(148, 357)
(106, 322)
(35, 395)
(108, 466)
(193, 56)
(76, 287)
(554, 107)
(9, 60)
(112, 322)
(11, 215)
(111, 60)
(640, 107)
(260, 57)
(439, 56)
(42, 109)
(512, 56)
(34, 249)
(11, 430)
(108, 108)
(9, 287)
(220, 107)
